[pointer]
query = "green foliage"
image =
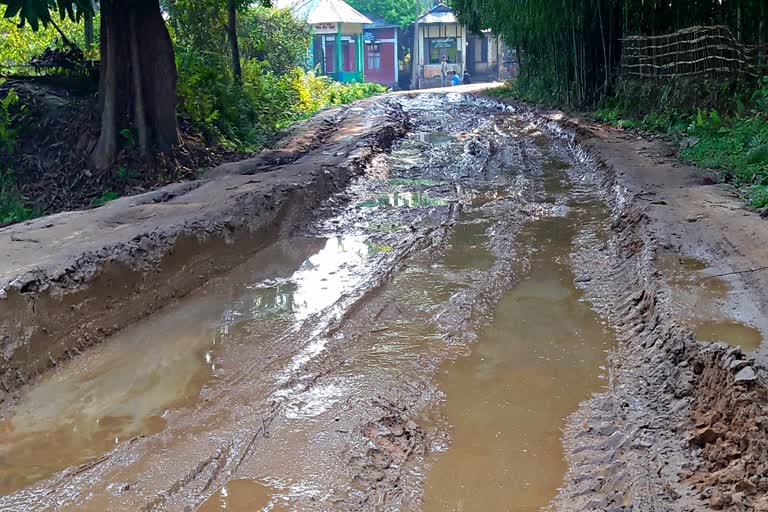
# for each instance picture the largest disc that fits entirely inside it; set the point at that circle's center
(524, 89)
(104, 198)
(37, 12)
(273, 91)
(733, 140)
(760, 97)
(247, 116)
(398, 12)
(758, 196)
(740, 150)
(273, 37)
(12, 208)
(19, 45)
(127, 136)
(198, 25)
(126, 175)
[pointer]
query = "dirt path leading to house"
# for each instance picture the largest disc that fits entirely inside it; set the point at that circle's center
(402, 308)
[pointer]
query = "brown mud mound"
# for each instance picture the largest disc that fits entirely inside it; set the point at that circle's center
(730, 420)
(105, 268)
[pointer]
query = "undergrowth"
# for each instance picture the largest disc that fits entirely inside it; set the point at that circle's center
(247, 116)
(719, 125)
(12, 208)
(528, 90)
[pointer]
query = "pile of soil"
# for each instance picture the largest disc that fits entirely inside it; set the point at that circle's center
(59, 129)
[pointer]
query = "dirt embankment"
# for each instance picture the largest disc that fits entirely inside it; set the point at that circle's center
(683, 423)
(69, 280)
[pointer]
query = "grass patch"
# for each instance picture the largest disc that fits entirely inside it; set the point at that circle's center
(727, 130)
(104, 198)
(12, 208)
(735, 145)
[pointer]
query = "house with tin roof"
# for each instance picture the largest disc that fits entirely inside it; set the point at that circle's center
(337, 36)
(439, 34)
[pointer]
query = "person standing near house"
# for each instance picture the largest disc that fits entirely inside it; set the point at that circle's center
(444, 72)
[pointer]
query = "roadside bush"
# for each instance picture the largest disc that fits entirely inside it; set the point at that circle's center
(12, 207)
(249, 115)
(18, 46)
(740, 150)
(273, 37)
(533, 90)
(727, 131)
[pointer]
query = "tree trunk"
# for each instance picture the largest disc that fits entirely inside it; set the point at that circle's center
(415, 49)
(138, 78)
(232, 31)
(88, 30)
(605, 49)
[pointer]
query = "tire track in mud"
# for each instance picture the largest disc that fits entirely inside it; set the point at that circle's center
(676, 428)
(378, 470)
(338, 413)
(372, 457)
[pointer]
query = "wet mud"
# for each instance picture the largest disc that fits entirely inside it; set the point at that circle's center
(483, 318)
(245, 495)
(105, 268)
(542, 354)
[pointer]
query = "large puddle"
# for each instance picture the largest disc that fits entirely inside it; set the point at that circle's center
(705, 303)
(507, 402)
(539, 355)
(128, 386)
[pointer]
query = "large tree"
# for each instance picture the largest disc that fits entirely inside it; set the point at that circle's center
(397, 12)
(137, 87)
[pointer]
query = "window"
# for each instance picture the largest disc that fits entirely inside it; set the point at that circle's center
(439, 46)
(373, 56)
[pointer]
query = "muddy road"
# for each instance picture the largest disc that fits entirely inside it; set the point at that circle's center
(482, 314)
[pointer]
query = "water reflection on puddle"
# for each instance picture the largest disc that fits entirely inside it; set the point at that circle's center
(124, 387)
(404, 200)
(327, 275)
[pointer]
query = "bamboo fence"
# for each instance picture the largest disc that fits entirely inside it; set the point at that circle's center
(696, 51)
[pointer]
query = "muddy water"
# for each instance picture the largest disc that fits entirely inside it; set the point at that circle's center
(705, 303)
(243, 495)
(291, 360)
(730, 332)
(507, 401)
(130, 385)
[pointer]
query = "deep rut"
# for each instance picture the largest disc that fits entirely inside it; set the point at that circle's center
(419, 342)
